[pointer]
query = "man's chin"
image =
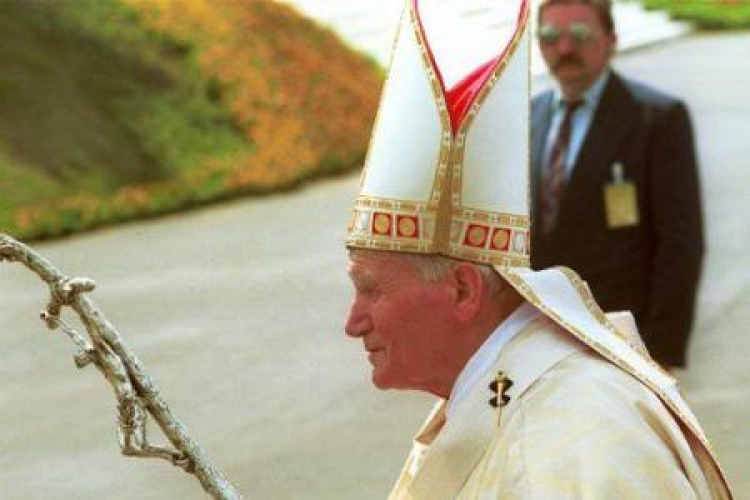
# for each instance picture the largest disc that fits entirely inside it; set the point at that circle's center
(379, 384)
(383, 381)
(568, 73)
(380, 381)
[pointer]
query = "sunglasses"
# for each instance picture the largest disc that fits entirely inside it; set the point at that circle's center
(579, 33)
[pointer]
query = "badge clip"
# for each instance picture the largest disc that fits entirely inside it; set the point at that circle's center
(620, 200)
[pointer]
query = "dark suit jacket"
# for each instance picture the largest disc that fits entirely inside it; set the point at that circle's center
(651, 269)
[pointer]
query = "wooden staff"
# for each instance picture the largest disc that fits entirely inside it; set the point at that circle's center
(136, 394)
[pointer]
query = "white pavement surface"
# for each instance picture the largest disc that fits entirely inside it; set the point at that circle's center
(370, 25)
(237, 312)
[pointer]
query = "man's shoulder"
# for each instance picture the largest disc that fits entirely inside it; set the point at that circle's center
(646, 93)
(587, 422)
(618, 87)
(592, 374)
(542, 96)
(541, 100)
(569, 370)
(591, 392)
(588, 399)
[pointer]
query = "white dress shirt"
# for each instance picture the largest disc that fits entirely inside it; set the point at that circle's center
(580, 124)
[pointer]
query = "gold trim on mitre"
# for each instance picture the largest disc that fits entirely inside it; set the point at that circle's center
(506, 234)
(411, 197)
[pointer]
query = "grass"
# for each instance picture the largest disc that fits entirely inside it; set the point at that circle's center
(707, 14)
(118, 109)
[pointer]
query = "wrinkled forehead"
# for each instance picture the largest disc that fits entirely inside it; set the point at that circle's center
(569, 12)
(362, 259)
(573, 12)
(369, 264)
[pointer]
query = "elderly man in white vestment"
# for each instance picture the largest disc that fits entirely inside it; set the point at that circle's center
(540, 394)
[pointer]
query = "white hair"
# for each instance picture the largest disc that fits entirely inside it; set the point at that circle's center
(434, 268)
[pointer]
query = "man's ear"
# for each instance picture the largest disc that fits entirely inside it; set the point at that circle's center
(470, 290)
(612, 49)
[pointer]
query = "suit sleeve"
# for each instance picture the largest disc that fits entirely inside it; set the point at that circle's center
(677, 225)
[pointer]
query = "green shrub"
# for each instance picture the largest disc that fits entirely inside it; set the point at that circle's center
(121, 109)
(707, 14)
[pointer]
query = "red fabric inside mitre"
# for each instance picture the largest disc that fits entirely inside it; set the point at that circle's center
(463, 94)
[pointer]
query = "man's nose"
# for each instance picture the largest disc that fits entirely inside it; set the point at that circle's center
(359, 321)
(565, 44)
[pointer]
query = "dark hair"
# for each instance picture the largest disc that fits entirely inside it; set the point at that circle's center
(603, 9)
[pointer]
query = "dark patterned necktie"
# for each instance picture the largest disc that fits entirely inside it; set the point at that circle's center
(553, 180)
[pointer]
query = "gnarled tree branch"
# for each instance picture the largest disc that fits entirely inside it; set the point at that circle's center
(137, 396)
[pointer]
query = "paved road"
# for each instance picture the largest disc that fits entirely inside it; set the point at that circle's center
(237, 310)
(711, 73)
(370, 25)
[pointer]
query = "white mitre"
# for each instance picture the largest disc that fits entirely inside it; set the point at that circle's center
(426, 189)
(447, 173)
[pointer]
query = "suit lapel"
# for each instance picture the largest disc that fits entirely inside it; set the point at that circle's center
(463, 440)
(615, 116)
(541, 117)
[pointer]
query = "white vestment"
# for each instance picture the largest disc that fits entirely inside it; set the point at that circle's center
(576, 427)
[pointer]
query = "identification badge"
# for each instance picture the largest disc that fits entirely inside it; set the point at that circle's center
(620, 200)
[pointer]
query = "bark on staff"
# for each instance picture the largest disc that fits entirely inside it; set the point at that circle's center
(136, 394)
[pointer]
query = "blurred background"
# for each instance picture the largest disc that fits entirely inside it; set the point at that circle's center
(242, 126)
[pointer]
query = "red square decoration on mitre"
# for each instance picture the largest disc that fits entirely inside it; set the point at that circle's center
(476, 235)
(500, 239)
(381, 224)
(407, 226)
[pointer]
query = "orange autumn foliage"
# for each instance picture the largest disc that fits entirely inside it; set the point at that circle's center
(302, 100)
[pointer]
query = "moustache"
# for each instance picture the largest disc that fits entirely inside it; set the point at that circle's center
(567, 61)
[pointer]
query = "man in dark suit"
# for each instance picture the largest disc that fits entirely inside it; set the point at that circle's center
(615, 182)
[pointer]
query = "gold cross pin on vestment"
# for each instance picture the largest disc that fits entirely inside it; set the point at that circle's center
(499, 386)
